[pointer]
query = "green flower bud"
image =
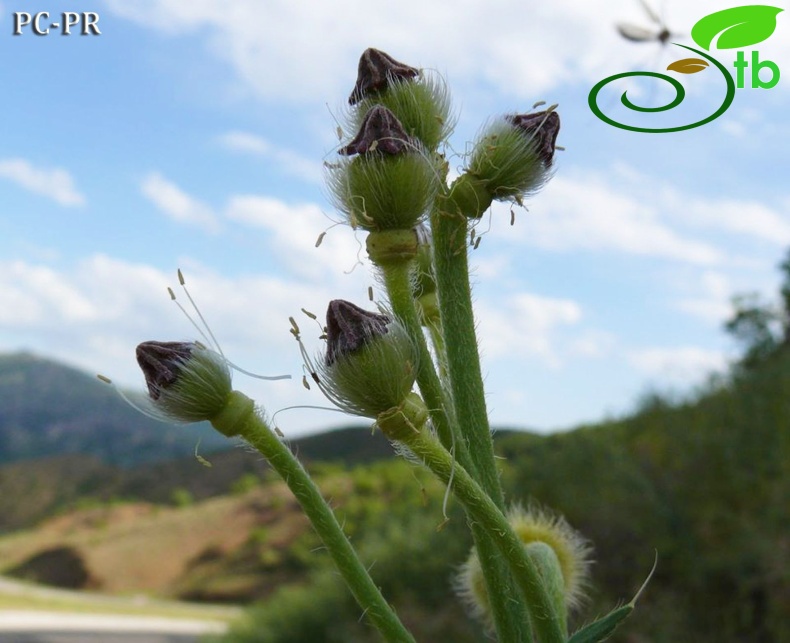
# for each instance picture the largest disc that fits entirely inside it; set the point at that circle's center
(561, 555)
(420, 102)
(514, 155)
(370, 362)
(391, 183)
(187, 382)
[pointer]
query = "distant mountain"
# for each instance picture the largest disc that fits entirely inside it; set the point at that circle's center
(49, 409)
(66, 438)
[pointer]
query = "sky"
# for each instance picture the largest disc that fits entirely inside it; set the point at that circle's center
(192, 134)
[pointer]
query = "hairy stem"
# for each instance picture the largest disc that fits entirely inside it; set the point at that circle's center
(375, 608)
(481, 509)
(509, 613)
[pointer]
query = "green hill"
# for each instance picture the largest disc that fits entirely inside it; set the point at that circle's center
(49, 409)
(705, 483)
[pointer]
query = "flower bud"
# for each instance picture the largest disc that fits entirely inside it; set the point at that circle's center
(370, 362)
(560, 554)
(420, 102)
(187, 382)
(514, 156)
(391, 183)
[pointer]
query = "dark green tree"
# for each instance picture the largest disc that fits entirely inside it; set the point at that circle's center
(760, 327)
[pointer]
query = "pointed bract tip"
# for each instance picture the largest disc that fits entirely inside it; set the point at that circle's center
(376, 71)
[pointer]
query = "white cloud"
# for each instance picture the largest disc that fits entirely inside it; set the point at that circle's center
(303, 51)
(92, 314)
(177, 204)
(680, 365)
(587, 212)
(286, 160)
(53, 183)
(31, 295)
(245, 142)
(592, 344)
(731, 215)
(295, 230)
(711, 301)
(524, 325)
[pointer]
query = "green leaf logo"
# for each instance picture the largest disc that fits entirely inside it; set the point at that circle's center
(736, 27)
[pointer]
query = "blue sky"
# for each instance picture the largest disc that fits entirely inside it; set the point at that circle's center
(191, 134)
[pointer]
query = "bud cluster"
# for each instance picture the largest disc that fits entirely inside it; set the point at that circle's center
(400, 119)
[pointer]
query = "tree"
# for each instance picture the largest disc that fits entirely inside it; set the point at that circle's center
(762, 328)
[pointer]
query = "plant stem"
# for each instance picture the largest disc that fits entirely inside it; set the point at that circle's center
(460, 340)
(509, 613)
(466, 385)
(397, 279)
(482, 509)
(254, 430)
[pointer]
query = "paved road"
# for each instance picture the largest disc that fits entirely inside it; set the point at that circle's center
(54, 627)
(94, 637)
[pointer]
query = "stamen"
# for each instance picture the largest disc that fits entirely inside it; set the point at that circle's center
(199, 314)
(207, 334)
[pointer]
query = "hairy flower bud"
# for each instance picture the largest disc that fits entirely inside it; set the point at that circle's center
(187, 382)
(349, 327)
(420, 101)
(390, 183)
(515, 154)
(380, 131)
(543, 127)
(370, 362)
(561, 555)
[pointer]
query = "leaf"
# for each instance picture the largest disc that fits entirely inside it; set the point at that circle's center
(736, 27)
(603, 628)
(688, 65)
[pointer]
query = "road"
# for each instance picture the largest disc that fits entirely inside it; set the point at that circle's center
(23, 626)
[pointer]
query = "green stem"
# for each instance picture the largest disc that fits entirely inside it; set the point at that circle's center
(397, 279)
(466, 385)
(509, 614)
(248, 424)
(481, 508)
(463, 361)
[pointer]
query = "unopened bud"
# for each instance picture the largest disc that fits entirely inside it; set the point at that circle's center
(370, 362)
(560, 554)
(186, 381)
(514, 156)
(380, 131)
(390, 183)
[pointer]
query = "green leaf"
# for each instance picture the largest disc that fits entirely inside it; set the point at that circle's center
(603, 628)
(736, 27)
(688, 65)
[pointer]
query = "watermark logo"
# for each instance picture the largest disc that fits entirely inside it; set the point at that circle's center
(733, 28)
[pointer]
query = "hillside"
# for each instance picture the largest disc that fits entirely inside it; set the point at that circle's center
(704, 482)
(49, 409)
(31, 490)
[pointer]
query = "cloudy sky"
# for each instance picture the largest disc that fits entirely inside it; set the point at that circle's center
(192, 133)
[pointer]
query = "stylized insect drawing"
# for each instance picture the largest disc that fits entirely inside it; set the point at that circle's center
(659, 33)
